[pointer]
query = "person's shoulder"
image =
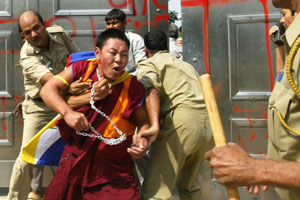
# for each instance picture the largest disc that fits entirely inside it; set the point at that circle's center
(28, 50)
(55, 29)
(132, 35)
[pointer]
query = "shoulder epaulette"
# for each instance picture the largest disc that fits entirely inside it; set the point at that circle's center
(55, 29)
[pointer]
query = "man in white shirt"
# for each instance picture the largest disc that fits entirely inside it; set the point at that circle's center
(116, 19)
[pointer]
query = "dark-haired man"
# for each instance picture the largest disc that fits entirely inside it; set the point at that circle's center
(116, 19)
(174, 98)
(97, 163)
(44, 53)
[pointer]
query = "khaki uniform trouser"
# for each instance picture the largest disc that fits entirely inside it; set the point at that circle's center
(175, 157)
(24, 175)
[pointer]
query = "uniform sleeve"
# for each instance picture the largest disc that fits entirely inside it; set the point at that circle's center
(33, 68)
(149, 77)
(72, 47)
(138, 49)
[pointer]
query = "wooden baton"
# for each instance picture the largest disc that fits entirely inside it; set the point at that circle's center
(216, 123)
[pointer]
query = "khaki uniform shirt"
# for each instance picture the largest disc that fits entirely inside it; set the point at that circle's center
(37, 62)
(282, 144)
(176, 81)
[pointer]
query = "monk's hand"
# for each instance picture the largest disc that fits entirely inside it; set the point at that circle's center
(150, 133)
(76, 120)
(139, 147)
(102, 89)
(232, 165)
(78, 87)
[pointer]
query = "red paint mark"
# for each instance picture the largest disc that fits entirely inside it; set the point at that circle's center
(18, 98)
(144, 23)
(4, 127)
(124, 4)
(266, 136)
(8, 21)
(242, 143)
(192, 3)
(74, 27)
(161, 17)
(144, 8)
(204, 3)
(238, 109)
(217, 88)
(8, 52)
(253, 133)
(266, 11)
(161, 6)
(205, 33)
(93, 30)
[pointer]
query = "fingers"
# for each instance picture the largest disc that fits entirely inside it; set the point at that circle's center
(207, 155)
(136, 152)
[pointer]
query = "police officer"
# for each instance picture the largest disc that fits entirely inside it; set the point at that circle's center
(43, 54)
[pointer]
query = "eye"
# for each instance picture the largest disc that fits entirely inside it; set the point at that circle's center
(36, 27)
(27, 32)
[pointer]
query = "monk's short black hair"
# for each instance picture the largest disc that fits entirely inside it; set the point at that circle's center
(115, 14)
(35, 13)
(156, 40)
(111, 33)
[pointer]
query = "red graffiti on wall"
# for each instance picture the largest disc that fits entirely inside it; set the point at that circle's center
(4, 127)
(206, 4)
(74, 27)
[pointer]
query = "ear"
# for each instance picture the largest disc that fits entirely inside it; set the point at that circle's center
(148, 54)
(97, 53)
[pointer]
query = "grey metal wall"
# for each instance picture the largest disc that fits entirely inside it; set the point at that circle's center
(83, 20)
(229, 39)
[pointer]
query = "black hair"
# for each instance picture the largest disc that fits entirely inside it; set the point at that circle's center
(155, 41)
(173, 31)
(111, 33)
(115, 14)
(35, 13)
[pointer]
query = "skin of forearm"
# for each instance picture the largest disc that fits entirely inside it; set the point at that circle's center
(78, 101)
(280, 58)
(50, 94)
(153, 106)
(283, 174)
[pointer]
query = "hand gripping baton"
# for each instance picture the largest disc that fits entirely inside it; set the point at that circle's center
(216, 123)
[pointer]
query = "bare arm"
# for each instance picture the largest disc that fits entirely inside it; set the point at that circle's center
(152, 106)
(51, 96)
(280, 58)
(233, 166)
(101, 91)
(141, 144)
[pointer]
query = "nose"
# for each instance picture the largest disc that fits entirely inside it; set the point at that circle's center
(33, 34)
(118, 58)
(282, 20)
(109, 26)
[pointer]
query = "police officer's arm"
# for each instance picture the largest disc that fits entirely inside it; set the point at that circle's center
(35, 70)
(101, 91)
(51, 96)
(152, 85)
(234, 167)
